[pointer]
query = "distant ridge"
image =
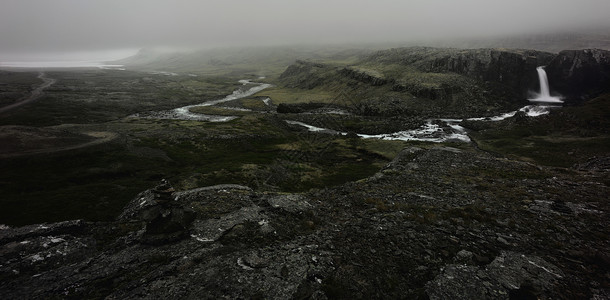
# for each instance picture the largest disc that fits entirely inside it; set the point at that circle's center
(550, 42)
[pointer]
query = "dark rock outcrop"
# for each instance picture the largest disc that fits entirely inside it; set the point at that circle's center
(580, 74)
(165, 219)
(514, 69)
(434, 223)
(510, 275)
(442, 92)
(371, 77)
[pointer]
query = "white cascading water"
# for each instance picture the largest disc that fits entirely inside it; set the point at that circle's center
(544, 82)
(545, 95)
(431, 132)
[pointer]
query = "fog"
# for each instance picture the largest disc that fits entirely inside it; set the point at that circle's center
(44, 28)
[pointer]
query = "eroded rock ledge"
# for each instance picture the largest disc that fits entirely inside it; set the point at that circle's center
(434, 223)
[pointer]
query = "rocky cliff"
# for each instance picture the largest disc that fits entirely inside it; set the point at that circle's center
(371, 77)
(513, 69)
(440, 223)
(462, 83)
(580, 74)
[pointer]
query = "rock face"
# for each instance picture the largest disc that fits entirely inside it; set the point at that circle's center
(439, 223)
(371, 77)
(166, 220)
(511, 68)
(442, 92)
(514, 69)
(580, 74)
(460, 82)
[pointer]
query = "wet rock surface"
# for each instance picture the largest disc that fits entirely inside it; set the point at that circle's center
(439, 223)
(580, 74)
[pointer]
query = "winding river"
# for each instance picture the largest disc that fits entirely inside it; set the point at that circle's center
(184, 113)
(431, 131)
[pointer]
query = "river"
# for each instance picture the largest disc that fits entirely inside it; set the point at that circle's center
(431, 131)
(184, 113)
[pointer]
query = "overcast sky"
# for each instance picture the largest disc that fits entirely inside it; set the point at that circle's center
(52, 26)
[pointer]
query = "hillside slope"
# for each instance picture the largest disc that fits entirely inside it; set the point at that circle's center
(444, 82)
(437, 223)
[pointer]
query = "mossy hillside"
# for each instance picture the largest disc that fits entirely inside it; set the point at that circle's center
(292, 95)
(391, 87)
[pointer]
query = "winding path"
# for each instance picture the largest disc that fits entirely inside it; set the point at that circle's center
(36, 93)
(101, 138)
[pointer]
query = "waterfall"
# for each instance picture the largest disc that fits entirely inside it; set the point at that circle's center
(545, 95)
(544, 82)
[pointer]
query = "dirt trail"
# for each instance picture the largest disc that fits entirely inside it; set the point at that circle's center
(36, 93)
(101, 137)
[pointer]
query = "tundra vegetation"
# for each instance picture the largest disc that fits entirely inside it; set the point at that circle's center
(296, 213)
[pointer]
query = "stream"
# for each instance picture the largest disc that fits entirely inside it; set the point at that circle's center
(431, 131)
(184, 113)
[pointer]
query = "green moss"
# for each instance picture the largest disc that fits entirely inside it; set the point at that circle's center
(293, 95)
(253, 103)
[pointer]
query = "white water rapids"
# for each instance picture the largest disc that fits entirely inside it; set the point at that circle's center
(431, 132)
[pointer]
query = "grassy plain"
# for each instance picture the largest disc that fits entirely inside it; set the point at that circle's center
(257, 149)
(40, 182)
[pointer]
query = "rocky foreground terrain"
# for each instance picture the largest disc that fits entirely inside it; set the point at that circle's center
(438, 223)
(435, 223)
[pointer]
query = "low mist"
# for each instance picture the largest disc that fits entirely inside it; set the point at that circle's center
(40, 29)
